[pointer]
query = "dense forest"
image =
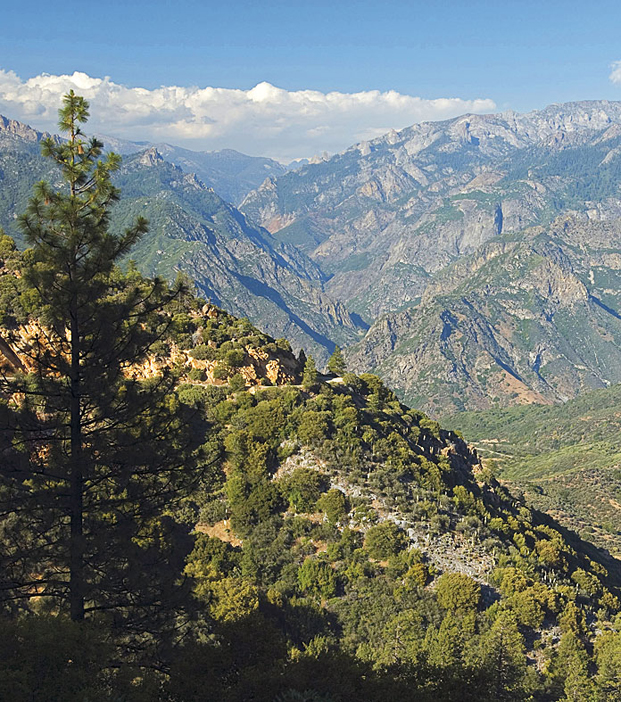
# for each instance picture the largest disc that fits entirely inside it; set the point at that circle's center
(188, 511)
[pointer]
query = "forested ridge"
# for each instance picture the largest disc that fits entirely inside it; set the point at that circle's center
(188, 511)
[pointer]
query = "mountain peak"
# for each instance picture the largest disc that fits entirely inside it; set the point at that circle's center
(151, 157)
(15, 128)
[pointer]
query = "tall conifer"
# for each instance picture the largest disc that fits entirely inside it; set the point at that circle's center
(336, 362)
(94, 456)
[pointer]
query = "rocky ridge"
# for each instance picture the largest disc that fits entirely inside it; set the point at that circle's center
(258, 360)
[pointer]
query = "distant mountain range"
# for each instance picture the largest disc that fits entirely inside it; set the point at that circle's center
(233, 263)
(484, 252)
(230, 173)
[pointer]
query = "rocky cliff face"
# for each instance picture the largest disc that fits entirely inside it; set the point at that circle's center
(517, 322)
(10, 128)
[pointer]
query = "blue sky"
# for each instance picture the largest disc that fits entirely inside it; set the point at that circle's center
(520, 55)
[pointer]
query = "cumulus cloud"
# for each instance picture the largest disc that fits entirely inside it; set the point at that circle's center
(615, 74)
(265, 120)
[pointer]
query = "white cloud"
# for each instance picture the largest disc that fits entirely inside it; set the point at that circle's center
(265, 120)
(615, 74)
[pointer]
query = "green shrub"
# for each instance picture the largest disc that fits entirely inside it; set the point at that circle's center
(197, 374)
(221, 372)
(353, 381)
(237, 382)
(384, 540)
(314, 427)
(317, 578)
(334, 504)
(302, 488)
(457, 592)
(204, 353)
(234, 358)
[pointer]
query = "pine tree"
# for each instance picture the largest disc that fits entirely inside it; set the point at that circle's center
(570, 669)
(608, 652)
(336, 362)
(444, 647)
(93, 457)
(302, 359)
(309, 376)
(503, 659)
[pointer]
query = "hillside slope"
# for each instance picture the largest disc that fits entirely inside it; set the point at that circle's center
(233, 263)
(345, 546)
(567, 459)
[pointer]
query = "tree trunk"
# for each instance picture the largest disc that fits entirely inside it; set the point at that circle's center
(76, 542)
